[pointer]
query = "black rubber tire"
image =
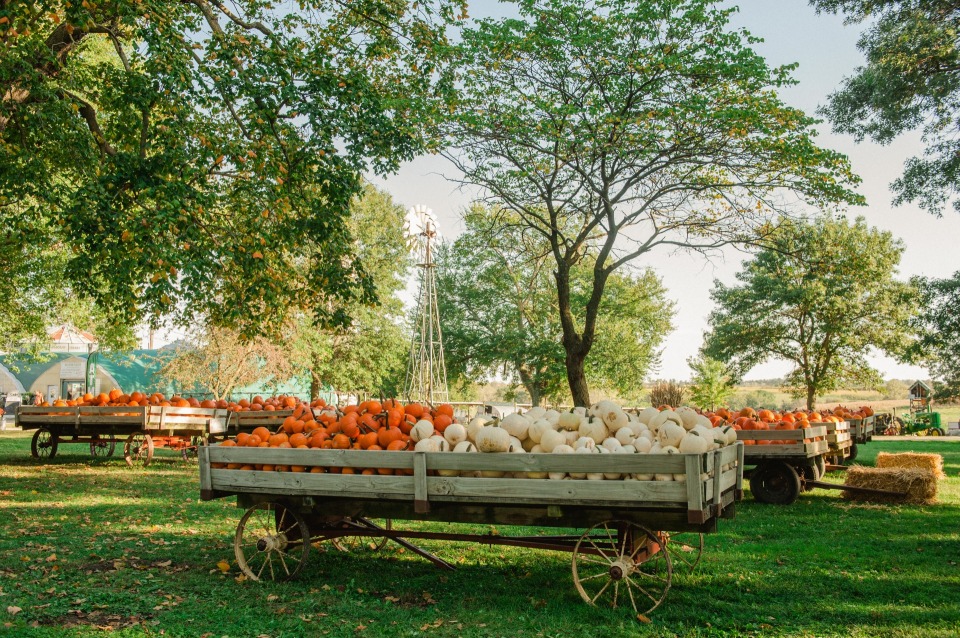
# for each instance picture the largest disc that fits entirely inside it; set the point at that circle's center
(44, 443)
(854, 450)
(821, 464)
(935, 432)
(775, 482)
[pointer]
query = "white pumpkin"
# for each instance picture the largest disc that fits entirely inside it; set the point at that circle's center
(729, 434)
(704, 421)
(658, 421)
(623, 449)
(465, 447)
(474, 426)
(442, 444)
(625, 436)
(584, 442)
(527, 444)
(428, 444)
(536, 449)
(534, 413)
(645, 415)
(571, 436)
(552, 416)
(569, 421)
(611, 444)
(642, 445)
(643, 477)
(694, 442)
(670, 434)
(421, 430)
(516, 424)
(493, 439)
(455, 434)
(594, 428)
(551, 439)
(688, 416)
(537, 428)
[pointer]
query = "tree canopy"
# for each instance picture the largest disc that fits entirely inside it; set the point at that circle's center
(181, 153)
(820, 297)
(938, 327)
(497, 305)
(712, 385)
(611, 128)
(911, 80)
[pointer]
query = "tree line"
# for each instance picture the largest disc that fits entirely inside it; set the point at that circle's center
(204, 164)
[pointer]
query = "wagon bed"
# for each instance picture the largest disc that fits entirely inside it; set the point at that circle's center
(140, 428)
(629, 523)
(783, 468)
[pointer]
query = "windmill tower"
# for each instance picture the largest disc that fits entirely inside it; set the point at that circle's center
(426, 372)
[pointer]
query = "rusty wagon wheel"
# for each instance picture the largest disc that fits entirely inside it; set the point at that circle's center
(138, 449)
(358, 542)
(192, 450)
(685, 549)
(102, 448)
(44, 443)
(621, 563)
(272, 542)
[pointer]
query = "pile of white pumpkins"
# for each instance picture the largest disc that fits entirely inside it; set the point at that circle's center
(603, 428)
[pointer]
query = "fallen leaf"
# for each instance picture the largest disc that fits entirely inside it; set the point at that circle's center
(272, 597)
(223, 566)
(13, 611)
(643, 619)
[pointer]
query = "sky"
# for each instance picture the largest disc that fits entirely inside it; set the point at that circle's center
(826, 52)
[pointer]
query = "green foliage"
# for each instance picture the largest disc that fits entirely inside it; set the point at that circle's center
(819, 296)
(667, 393)
(911, 80)
(497, 302)
(938, 327)
(194, 159)
(368, 355)
(711, 385)
(613, 128)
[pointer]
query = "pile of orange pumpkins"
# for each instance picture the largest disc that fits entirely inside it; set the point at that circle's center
(752, 419)
(371, 425)
(117, 398)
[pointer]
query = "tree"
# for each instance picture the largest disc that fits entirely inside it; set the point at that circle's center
(643, 125)
(180, 151)
(369, 353)
(911, 80)
(497, 306)
(711, 385)
(218, 361)
(938, 327)
(820, 297)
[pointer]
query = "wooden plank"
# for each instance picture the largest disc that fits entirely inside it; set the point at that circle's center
(420, 489)
(718, 475)
(694, 485)
(206, 485)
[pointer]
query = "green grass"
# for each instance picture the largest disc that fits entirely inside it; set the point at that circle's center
(89, 547)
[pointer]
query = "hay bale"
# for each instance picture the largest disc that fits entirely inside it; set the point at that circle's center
(912, 461)
(920, 485)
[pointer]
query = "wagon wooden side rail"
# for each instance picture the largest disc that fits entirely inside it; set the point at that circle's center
(636, 530)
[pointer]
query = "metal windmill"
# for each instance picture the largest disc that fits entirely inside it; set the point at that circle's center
(426, 372)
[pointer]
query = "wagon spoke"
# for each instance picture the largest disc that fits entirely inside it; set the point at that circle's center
(645, 592)
(283, 517)
(600, 593)
(283, 561)
(590, 559)
(273, 575)
(600, 551)
(616, 592)
(630, 587)
(600, 575)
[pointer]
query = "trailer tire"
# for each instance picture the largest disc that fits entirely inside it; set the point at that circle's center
(775, 482)
(821, 464)
(44, 444)
(853, 452)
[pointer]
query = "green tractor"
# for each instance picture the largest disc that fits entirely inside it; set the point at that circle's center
(919, 419)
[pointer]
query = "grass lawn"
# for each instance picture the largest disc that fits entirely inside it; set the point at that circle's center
(91, 547)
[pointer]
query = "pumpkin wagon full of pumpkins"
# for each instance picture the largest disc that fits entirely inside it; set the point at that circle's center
(141, 423)
(630, 511)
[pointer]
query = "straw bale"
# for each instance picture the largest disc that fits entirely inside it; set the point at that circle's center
(920, 486)
(913, 461)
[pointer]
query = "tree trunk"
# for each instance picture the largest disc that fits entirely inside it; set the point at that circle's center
(314, 385)
(531, 385)
(577, 378)
(811, 396)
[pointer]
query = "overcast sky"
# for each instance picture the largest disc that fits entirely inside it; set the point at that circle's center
(826, 52)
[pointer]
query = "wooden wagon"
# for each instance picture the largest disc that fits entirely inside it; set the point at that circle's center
(141, 429)
(786, 461)
(630, 534)
(249, 421)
